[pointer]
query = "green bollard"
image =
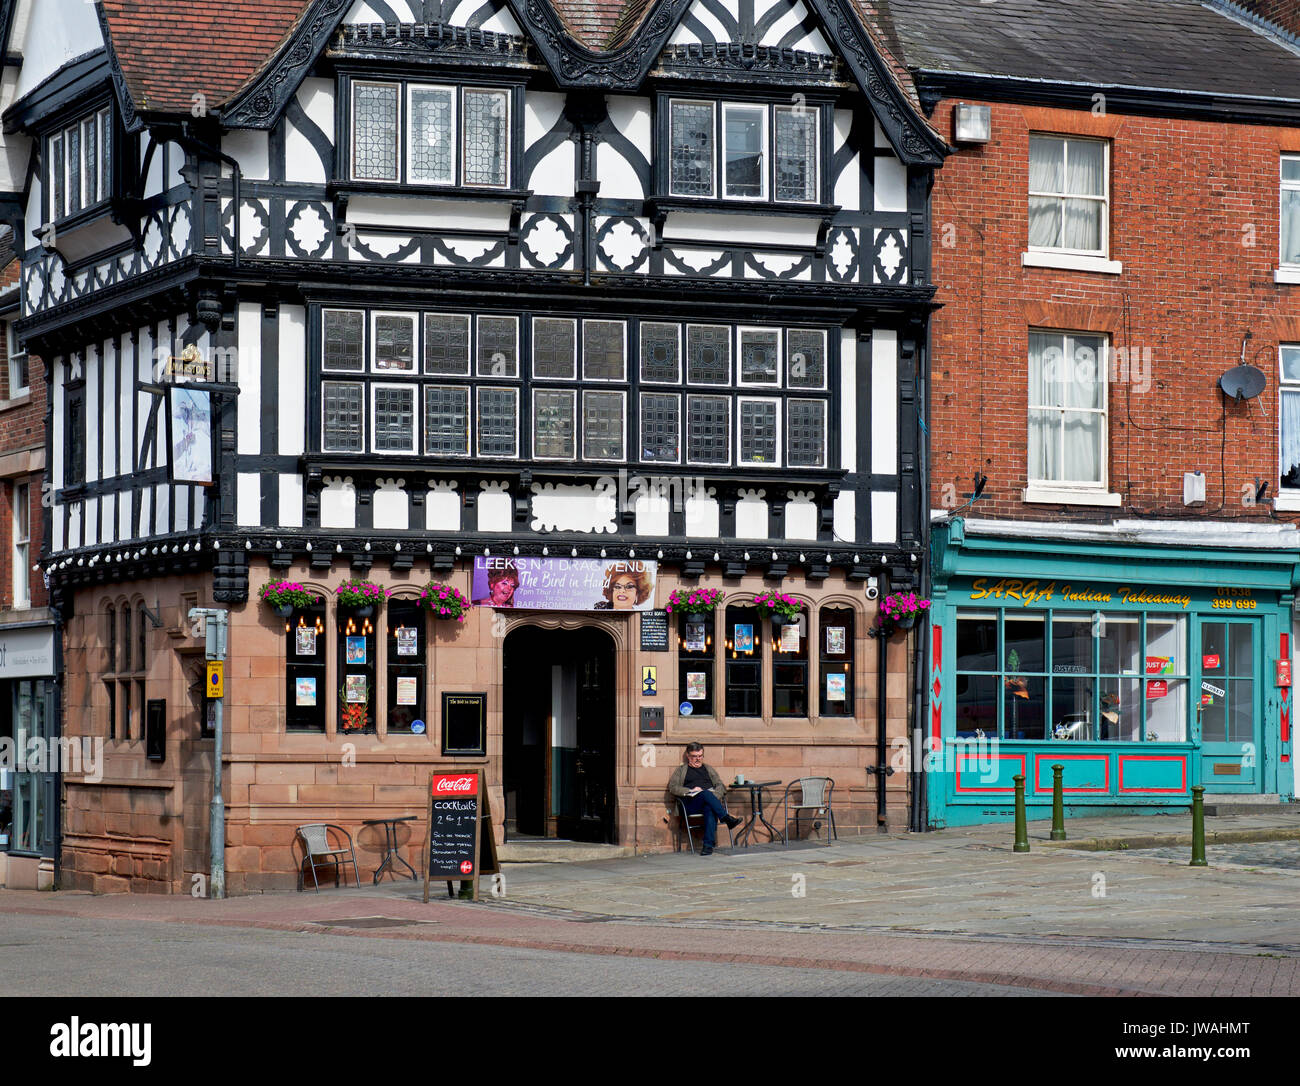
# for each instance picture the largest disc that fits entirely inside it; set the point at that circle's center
(1058, 804)
(1022, 833)
(1198, 827)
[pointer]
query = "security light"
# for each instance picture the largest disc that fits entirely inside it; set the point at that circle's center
(972, 124)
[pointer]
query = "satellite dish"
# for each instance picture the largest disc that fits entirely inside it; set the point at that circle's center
(1242, 382)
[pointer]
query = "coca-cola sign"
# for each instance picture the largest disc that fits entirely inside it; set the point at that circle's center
(447, 784)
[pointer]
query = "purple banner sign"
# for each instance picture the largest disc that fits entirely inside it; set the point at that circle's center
(565, 584)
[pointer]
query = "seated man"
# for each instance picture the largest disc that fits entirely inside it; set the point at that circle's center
(702, 789)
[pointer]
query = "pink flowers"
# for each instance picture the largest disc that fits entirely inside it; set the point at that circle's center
(444, 601)
(287, 594)
(353, 593)
(903, 603)
(778, 603)
(696, 601)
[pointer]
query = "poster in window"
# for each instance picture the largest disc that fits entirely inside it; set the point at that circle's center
(696, 684)
(695, 628)
(304, 691)
(305, 641)
(790, 638)
(407, 690)
(406, 646)
(834, 640)
(189, 436)
(356, 649)
(356, 689)
(835, 688)
(743, 638)
(1160, 665)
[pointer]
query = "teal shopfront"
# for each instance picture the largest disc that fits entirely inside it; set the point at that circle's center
(1142, 666)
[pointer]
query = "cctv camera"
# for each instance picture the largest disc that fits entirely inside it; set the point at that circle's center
(873, 588)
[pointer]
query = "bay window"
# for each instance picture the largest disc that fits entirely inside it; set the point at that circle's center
(430, 135)
(79, 164)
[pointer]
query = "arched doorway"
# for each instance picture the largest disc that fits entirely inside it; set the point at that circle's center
(559, 734)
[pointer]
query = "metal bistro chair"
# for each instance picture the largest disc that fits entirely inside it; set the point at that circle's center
(814, 796)
(696, 820)
(317, 849)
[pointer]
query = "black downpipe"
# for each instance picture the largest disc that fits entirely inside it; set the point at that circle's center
(882, 753)
(919, 822)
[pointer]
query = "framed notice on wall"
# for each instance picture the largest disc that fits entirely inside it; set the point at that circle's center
(464, 723)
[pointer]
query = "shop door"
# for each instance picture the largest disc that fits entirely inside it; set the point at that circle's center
(1229, 706)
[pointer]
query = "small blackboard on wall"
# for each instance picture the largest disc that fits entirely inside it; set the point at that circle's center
(155, 730)
(654, 631)
(464, 724)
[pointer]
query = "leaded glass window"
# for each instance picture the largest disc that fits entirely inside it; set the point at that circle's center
(805, 440)
(603, 425)
(374, 131)
(708, 354)
(758, 431)
(446, 343)
(56, 171)
(345, 340)
(446, 420)
(744, 136)
(796, 154)
(760, 356)
(90, 141)
(553, 424)
(394, 343)
(661, 352)
(342, 423)
(708, 438)
(805, 358)
(555, 348)
(431, 143)
(604, 351)
(486, 134)
(498, 346)
(106, 153)
(691, 154)
(73, 140)
(660, 427)
(394, 418)
(498, 422)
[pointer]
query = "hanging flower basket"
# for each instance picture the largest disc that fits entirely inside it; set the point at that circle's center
(782, 609)
(899, 611)
(444, 602)
(360, 596)
(698, 601)
(284, 597)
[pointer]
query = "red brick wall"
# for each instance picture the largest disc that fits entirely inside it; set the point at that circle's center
(22, 428)
(1286, 13)
(1194, 221)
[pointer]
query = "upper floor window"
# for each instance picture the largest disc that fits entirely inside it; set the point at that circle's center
(1069, 195)
(424, 134)
(19, 380)
(744, 150)
(1290, 408)
(1067, 409)
(1290, 209)
(22, 543)
(79, 164)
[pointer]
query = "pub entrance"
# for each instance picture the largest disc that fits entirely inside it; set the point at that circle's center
(558, 750)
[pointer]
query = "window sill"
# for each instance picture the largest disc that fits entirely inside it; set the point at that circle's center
(1065, 496)
(1287, 502)
(662, 204)
(440, 192)
(1071, 262)
(1287, 275)
(24, 397)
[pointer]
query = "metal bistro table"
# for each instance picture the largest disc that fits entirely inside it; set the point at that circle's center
(390, 839)
(755, 789)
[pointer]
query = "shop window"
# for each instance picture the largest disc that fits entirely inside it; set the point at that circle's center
(695, 662)
(744, 662)
(357, 668)
(790, 668)
(407, 648)
(124, 684)
(1070, 675)
(305, 669)
(836, 687)
(33, 793)
(110, 667)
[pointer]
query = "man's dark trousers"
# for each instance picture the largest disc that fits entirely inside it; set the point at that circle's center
(712, 808)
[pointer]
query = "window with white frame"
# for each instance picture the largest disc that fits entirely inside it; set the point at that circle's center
(1290, 210)
(1067, 409)
(79, 164)
(426, 134)
(1289, 451)
(22, 543)
(1069, 193)
(19, 381)
(744, 150)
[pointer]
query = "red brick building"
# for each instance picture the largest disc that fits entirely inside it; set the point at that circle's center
(1118, 230)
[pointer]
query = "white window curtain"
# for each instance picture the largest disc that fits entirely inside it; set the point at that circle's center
(1067, 419)
(1291, 211)
(1069, 177)
(1084, 176)
(1291, 437)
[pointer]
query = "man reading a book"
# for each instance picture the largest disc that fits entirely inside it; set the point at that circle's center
(702, 790)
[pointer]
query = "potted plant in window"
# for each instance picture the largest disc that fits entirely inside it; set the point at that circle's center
(444, 601)
(698, 601)
(360, 597)
(284, 597)
(901, 608)
(782, 609)
(354, 712)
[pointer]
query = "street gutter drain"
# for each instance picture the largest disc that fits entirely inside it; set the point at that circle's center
(371, 922)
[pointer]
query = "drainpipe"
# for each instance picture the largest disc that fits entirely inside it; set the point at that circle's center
(919, 821)
(882, 755)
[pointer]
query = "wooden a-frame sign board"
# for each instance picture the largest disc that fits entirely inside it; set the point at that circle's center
(461, 844)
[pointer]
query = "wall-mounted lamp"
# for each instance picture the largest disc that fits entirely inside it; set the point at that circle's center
(971, 123)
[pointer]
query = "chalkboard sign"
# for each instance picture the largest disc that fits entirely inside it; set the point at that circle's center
(453, 828)
(654, 631)
(155, 730)
(464, 723)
